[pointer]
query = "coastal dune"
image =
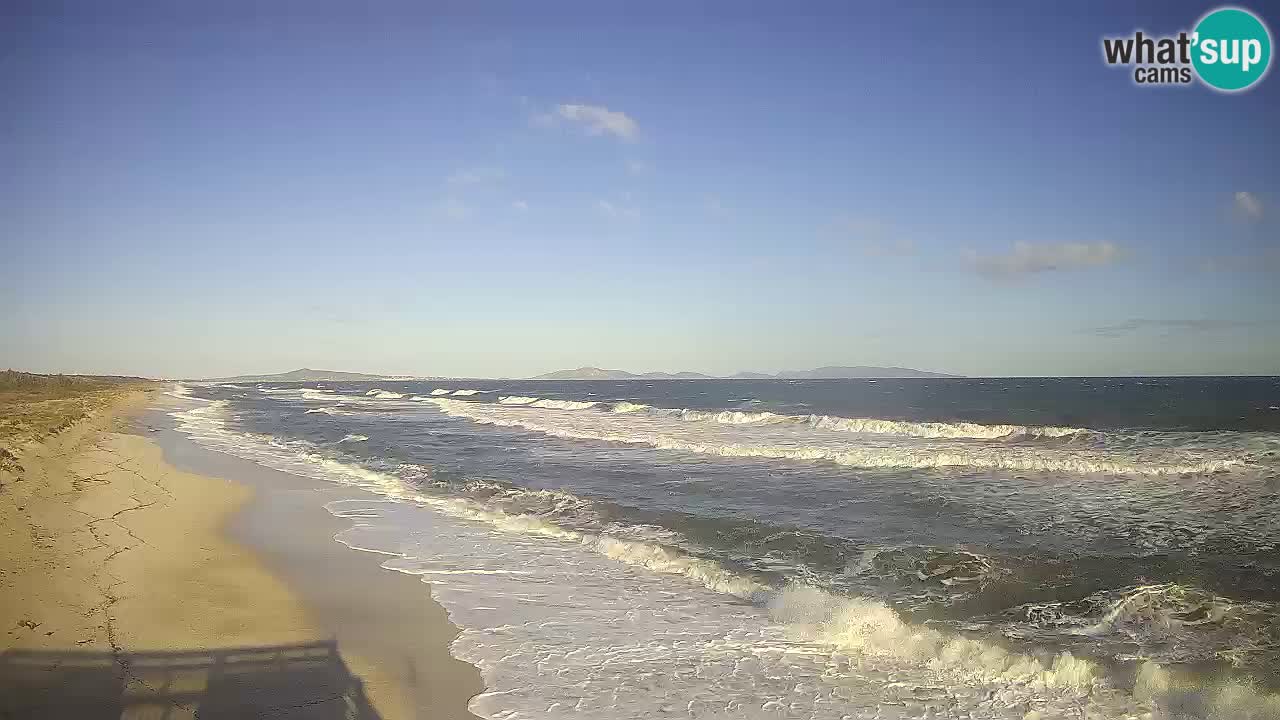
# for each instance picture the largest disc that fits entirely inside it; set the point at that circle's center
(121, 596)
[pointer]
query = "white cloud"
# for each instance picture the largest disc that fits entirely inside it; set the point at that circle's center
(1029, 258)
(1249, 205)
(637, 167)
(595, 119)
(476, 176)
(520, 205)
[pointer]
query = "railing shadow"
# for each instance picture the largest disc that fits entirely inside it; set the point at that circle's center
(282, 682)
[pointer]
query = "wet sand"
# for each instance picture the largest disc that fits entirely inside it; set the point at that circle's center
(375, 613)
(131, 584)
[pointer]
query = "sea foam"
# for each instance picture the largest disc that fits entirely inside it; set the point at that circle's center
(872, 426)
(516, 400)
(875, 660)
(786, 445)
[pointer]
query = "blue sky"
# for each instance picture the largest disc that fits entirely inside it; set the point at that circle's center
(505, 189)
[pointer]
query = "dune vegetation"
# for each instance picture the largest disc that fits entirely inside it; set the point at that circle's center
(35, 406)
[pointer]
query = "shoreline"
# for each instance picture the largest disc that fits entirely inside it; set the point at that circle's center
(138, 572)
(387, 617)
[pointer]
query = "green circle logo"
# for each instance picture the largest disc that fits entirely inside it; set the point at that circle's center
(1231, 49)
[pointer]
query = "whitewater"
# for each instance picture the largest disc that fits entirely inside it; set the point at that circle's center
(769, 550)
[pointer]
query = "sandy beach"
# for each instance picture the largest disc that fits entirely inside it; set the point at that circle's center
(122, 595)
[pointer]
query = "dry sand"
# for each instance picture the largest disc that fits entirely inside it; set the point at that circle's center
(121, 596)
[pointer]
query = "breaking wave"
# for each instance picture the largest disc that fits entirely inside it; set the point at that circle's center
(856, 632)
(516, 400)
(874, 425)
(439, 391)
(656, 558)
(851, 626)
(564, 404)
(726, 417)
(1000, 457)
(940, 429)
(206, 424)
(871, 426)
(870, 627)
(1168, 621)
(384, 394)
(628, 407)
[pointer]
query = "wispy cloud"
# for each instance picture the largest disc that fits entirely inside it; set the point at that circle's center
(594, 119)
(520, 205)
(477, 175)
(637, 167)
(1248, 205)
(1032, 258)
(1174, 326)
(874, 237)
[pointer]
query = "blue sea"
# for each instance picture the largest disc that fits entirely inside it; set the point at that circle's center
(905, 548)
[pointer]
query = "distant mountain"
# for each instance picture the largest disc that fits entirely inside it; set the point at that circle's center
(822, 373)
(309, 375)
(594, 373)
(585, 373)
(859, 371)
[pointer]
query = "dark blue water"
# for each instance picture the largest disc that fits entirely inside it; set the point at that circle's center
(1121, 519)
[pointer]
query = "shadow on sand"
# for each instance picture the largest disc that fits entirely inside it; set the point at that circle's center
(284, 682)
